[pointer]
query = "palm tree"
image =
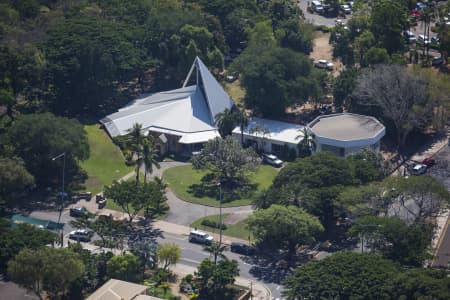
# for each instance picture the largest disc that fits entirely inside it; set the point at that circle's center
(216, 249)
(243, 121)
(136, 146)
(307, 144)
(149, 156)
(225, 122)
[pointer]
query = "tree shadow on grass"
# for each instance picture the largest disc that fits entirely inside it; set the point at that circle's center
(231, 191)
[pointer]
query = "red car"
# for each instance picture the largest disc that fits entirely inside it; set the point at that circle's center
(428, 161)
(415, 13)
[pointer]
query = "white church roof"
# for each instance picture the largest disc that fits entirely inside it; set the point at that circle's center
(187, 112)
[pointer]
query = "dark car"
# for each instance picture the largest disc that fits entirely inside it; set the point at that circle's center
(79, 212)
(429, 162)
(242, 248)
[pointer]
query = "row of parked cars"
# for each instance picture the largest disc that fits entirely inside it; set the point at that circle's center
(321, 8)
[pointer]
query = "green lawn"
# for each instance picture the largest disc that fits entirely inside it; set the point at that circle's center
(181, 178)
(238, 230)
(105, 163)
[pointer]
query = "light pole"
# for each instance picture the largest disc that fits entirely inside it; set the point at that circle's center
(220, 213)
(63, 155)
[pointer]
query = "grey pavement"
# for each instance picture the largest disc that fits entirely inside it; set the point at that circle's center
(11, 291)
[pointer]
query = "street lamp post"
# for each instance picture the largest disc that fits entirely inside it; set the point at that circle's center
(63, 155)
(220, 214)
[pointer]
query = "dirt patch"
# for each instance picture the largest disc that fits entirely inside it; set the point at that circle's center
(323, 50)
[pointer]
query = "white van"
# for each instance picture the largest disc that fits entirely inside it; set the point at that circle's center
(200, 237)
(317, 6)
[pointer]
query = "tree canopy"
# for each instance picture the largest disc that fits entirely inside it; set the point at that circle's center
(125, 267)
(37, 138)
(349, 275)
(133, 197)
(315, 182)
(227, 160)
(49, 269)
(286, 228)
(276, 77)
(14, 178)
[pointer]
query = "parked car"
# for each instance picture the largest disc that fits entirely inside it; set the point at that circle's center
(196, 236)
(317, 6)
(435, 40)
(429, 161)
(323, 64)
(420, 6)
(272, 160)
(81, 235)
(415, 13)
(242, 248)
(423, 39)
(419, 169)
(409, 36)
(437, 60)
(346, 9)
(79, 212)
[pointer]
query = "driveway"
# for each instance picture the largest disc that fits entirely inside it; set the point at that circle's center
(183, 212)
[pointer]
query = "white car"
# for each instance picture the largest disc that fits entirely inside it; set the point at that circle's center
(410, 37)
(272, 160)
(346, 9)
(419, 169)
(324, 64)
(81, 235)
(424, 39)
(197, 236)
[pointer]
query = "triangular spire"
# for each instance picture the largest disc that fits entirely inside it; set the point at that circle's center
(216, 97)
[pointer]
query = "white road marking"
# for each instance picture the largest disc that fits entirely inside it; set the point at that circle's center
(191, 260)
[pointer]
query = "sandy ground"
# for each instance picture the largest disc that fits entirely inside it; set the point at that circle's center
(323, 50)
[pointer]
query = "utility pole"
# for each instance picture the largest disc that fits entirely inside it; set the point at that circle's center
(220, 214)
(63, 155)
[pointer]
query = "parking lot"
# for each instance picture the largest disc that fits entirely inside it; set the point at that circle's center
(318, 19)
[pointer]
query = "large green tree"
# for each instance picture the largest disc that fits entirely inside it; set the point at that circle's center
(213, 280)
(133, 197)
(14, 178)
(284, 228)
(14, 239)
(88, 59)
(37, 138)
(275, 78)
(168, 254)
(125, 267)
(344, 275)
(315, 182)
(408, 244)
(227, 160)
(388, 19)
(49, 269)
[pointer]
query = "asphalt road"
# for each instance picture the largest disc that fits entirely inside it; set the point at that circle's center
(193, 254)
(441, 171)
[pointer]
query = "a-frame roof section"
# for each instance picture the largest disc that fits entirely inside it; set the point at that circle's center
(216, 98)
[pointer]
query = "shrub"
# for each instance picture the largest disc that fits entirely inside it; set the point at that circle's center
(213, 224)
